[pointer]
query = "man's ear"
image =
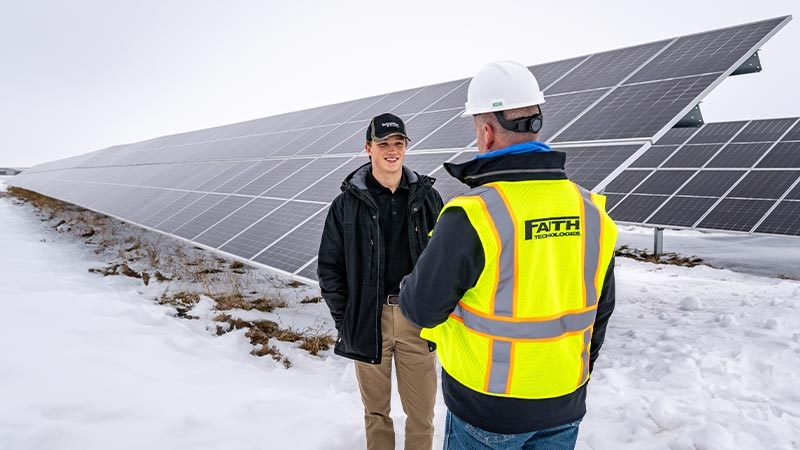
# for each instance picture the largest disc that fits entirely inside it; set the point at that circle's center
(489, 132)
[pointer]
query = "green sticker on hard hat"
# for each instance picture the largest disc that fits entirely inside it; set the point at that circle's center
(496, 104)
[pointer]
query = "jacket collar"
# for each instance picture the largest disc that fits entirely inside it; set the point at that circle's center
(358, 177)
(531, 165)
(525, 147)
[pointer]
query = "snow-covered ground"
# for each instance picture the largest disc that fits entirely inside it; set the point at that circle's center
(695, 358)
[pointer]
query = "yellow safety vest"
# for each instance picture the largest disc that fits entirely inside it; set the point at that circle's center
(524, 330)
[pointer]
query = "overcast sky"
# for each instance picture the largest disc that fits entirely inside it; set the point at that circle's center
(81, 75)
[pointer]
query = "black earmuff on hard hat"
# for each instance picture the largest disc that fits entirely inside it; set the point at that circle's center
(530, 124)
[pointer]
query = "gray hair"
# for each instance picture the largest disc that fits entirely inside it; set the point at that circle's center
(506, 136)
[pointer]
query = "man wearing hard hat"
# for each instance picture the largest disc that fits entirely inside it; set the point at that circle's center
(516, 285)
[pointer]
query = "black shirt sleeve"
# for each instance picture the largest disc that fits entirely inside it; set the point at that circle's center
(449, 266)
(605, 306)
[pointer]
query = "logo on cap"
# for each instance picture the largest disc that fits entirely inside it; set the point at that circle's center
(385, 125)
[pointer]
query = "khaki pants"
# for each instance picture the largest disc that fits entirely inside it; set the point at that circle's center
(416, 384)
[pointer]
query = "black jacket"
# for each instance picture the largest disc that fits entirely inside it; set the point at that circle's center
(451, 265)
(350, 267)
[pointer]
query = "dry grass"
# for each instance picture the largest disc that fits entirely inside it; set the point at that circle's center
(183, 302)
(785, 276)
(46, 204)
(665, 258)
(189, 272)
(227, 302)
(259, 332)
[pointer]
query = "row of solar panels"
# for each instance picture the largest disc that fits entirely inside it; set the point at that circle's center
(628, 93)
(258, 190)
(736, 176)
(268, 211)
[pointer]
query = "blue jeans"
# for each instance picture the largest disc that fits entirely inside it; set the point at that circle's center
(460, 435)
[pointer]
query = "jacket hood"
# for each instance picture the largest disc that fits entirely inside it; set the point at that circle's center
(358, 178)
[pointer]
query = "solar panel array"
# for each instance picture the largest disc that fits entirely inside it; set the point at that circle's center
(258, 190)
(736, 176)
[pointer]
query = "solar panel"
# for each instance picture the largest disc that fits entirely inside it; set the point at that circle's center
(590, 165)
(784, 219)
(735, 176)
(456, 133)
(305, 177)
(711, 183)
(188, 213)
(683, 211)
(738, 155)
(426, 123)
(784, 154)
(258, 190)
(292, 252)
(764, 130)
(735, 214)
(158, 202)
(448, 186)
(210, 216)
(692, 155)
(794, 194)
(605, 70)
(706, 52)
(272, 175)
(793, 134)
(550, 73)
(237, 221)
(269, 228)
(327, 188)
(561, 110)
(637, 111)
(635, 207)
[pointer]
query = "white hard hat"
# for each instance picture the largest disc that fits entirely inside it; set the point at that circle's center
(500, 86)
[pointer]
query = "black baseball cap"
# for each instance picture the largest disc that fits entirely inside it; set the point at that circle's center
(385, 125)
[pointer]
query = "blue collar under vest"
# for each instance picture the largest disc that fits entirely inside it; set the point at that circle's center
(525, 147)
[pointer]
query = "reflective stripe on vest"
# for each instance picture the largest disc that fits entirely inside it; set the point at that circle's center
(495, 319)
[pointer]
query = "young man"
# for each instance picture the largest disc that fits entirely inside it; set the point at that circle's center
(517, 284)
(374, 232)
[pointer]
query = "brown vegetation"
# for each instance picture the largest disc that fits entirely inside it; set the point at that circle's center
(664, 258)
(188, 271)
